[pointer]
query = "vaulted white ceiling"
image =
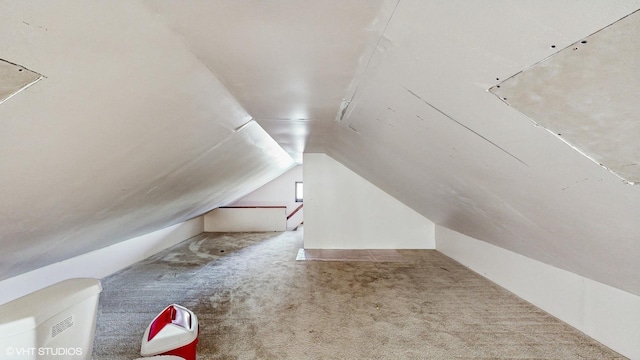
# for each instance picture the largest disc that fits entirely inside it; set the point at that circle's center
(138, 121)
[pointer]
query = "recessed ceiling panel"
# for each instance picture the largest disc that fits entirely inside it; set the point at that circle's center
(14, 78)
(587, 95)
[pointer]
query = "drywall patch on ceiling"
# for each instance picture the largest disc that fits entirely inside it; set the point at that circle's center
(587, 95)
(15, 78)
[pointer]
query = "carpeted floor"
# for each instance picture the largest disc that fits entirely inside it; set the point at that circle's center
(255, 301)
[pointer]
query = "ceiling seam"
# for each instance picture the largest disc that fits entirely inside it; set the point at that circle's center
(345, 103)
(466, 127)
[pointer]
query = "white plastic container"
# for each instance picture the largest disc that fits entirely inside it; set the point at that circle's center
(56, 322)
(173, 332)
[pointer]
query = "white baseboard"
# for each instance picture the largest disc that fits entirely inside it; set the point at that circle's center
(101, 262)
(608, 315)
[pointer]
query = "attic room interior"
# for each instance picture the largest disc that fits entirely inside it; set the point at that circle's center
(470, 174)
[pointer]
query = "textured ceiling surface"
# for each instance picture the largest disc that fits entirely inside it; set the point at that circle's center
(15, 78)
(587, 95)
(136, 125)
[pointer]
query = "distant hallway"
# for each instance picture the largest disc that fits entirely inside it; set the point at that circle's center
(255, 301)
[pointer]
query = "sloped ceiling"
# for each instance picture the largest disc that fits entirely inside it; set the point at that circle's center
(422, 125)
(134, 126)
(288, 62)
(128, 133)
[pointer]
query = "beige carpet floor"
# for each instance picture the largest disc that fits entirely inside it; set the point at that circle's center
(255, 301)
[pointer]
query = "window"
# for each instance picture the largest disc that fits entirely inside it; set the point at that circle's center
(298, 191)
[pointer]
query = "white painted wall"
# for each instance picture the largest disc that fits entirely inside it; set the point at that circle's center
(278, 192)
(609, 315)
(101, 262)
(344, 211)
(246, 219)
